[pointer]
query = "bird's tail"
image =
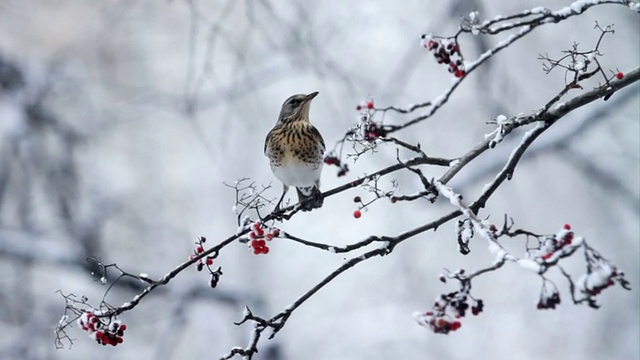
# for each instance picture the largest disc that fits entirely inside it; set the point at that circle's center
(310, 197)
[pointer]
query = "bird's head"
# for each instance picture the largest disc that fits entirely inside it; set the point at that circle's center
(296, 108)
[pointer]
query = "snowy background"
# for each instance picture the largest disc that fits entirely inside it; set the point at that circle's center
(128, 116)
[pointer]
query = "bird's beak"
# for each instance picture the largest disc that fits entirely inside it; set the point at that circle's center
(310, 96)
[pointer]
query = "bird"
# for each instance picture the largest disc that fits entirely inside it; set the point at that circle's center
(295, 149)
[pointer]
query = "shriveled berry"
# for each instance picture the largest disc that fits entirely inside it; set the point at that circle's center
(357, 199)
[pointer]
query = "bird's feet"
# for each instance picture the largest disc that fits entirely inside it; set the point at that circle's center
(314, 201)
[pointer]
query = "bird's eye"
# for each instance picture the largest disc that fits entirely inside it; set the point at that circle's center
(294, 102)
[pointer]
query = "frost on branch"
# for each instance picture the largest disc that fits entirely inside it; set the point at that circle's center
(579, 64)
(541, 253)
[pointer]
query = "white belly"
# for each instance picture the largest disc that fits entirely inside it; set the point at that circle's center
(298, 174)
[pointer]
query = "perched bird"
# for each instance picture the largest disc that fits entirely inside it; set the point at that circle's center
(295, 149)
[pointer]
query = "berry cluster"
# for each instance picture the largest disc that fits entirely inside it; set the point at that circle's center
(598, 288)
(367, 104)
(599, 278)
(439, 325)
(446, 51)
(333, 160)
(548, 301)
(373, 131)
(452, 305)
(557, 242)
(199, 249)
(458, 303)
(103, 333)
(259, 238)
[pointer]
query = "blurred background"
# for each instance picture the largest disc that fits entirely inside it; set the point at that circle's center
(120, 121)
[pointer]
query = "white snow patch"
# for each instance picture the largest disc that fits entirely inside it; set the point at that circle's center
(530, 265)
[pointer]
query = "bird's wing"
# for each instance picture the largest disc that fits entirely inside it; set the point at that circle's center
(266, 142)
(317, 133)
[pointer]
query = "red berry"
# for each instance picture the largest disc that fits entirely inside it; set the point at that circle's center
(369, 104)
(547, 256)
(455, 325)
(261, 243)
(275, 232)
(394, 199)
(357, 214)
(567, 227)
(199, 249)
(260, 232)
(257, 250)
(269, 236)
(209, 262)
(265, 250)
(357, 199)
(123, 327)
(119, 340)
(254, 244)
(619, 75)
(459, 73)
(442, 322)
